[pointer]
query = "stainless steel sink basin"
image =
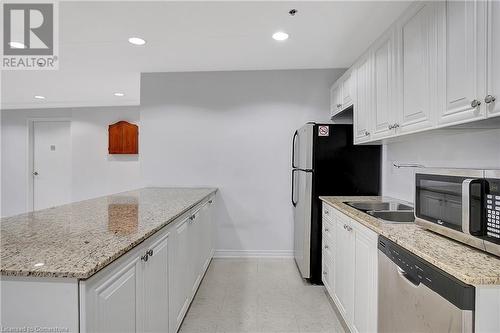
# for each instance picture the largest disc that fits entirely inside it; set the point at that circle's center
(379, 206)
(394, 216)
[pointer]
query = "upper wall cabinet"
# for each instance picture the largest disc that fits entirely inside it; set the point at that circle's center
(438, 65)
(465, 67)
(418, 39)
(364, 99)
(336, 98)
(348, 89)
(342, 93)
(384, 103)
(492, 99)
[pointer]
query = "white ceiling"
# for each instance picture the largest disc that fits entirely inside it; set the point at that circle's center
(96, 60)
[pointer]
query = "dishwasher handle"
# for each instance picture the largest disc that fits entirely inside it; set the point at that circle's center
(411, 280)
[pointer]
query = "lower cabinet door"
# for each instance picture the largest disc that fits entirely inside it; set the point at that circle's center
(365, 282)
(344, 268)
(180, 272)
(328, 271)
(155, 284)
(112, 302)
(195, 252)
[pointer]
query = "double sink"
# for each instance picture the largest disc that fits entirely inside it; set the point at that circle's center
(386, 211)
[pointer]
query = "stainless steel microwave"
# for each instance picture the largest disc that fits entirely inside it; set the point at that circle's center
(462, 204)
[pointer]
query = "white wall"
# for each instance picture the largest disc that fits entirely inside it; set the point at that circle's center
(232, 130)
(94, 172)
(457, 148)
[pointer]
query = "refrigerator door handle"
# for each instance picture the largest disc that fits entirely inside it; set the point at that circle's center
(295, 135)
(294, 203)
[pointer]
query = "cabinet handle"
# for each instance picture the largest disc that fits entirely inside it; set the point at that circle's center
(324, 272)
(396, 125)
(326, 247)
(475, 103)
(326, 212)
(145, 257)
(489, 99)
(391, 127)
(367, 133)
(191, 217)
(210, 201)
(349, 228)
(150, 252)
(339, 105)
(326, 229)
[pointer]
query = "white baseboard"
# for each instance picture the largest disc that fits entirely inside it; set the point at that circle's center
(253, 254)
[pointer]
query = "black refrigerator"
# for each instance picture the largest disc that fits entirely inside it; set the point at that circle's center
(325, 162)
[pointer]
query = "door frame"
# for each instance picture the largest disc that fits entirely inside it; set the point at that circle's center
(30, 144)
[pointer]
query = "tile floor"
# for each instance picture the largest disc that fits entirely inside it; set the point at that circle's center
(258, 295)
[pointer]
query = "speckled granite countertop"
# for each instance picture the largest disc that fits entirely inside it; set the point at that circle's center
(79, 239)
(465, 263)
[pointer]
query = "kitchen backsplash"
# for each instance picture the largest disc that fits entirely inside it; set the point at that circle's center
(466, 148)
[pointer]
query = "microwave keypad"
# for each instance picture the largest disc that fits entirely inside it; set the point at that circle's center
(493, 216)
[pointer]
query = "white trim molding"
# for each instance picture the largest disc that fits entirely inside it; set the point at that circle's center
(253, 254)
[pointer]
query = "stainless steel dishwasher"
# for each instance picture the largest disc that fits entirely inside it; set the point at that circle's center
(415, 296)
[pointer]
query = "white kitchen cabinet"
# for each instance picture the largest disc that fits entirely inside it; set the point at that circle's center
(113, 301)
(155, 286)
(465, 62)
(195, 252)
(348, 86)
(492, 99)
(364, 101)
(149, 289)
(385, 98)
(336, 98)
(350, 270)
(344, 268)
(180, 275)
(418, 34)
(365, 279)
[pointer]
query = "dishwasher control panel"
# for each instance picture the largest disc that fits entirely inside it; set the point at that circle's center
(418, 271)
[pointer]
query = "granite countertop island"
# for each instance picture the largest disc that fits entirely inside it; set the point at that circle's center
(78, 239)
(467, 264)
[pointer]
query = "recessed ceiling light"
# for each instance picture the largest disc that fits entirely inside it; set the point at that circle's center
(119, 94)
(39, 97)
(40, 264)
(136, 41)
(280, 36)
(17, 45)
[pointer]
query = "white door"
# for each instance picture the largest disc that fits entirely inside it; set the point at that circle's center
(465, 62)
(365, 282)
(364, 102)
(180, 272)
(113, 302)
(195, 252)
(383, 62)
(344, 267)
(493, 107)
(156, 287)
(51, 163)
(347, 90)
(417, 40)
(335, 102)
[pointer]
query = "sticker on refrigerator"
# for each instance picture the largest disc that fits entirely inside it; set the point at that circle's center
(323, 130)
